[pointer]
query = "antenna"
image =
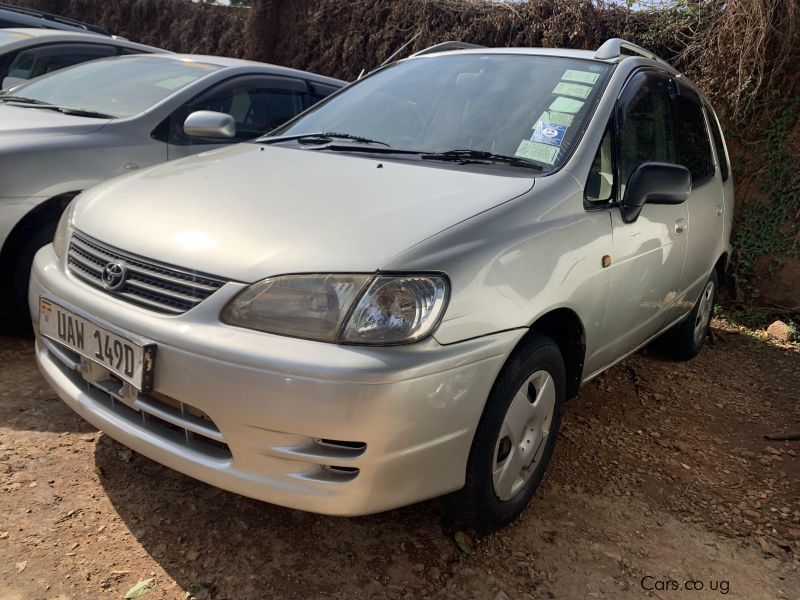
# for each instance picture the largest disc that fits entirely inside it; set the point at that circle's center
(392, 57)
(401, 48)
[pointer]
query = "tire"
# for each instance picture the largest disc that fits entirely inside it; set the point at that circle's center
(685, 340)
(21, 273)
(489, 501)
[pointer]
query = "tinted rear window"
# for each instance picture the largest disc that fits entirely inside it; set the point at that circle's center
(694, 146)
(716, 134)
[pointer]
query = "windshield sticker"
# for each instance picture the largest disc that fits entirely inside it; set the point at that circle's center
(176, 82)
(542, 153)
(549, 133)
(550, 116)
(581, 76)
(567, 105)
(573, 89)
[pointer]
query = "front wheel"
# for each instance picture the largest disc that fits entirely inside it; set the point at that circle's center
(515, 438)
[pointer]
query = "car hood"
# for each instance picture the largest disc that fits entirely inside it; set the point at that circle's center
(17, 122)
(251, 211)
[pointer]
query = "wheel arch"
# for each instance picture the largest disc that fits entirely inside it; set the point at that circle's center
(42, 213)
(565, 328)
(721, 267)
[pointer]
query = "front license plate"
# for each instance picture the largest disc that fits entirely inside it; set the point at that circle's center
(131, 361)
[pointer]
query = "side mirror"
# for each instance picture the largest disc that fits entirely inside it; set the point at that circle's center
(655, 183)
(9, 82)
(210, 124)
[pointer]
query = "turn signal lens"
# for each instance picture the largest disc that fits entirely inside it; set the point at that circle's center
(63, 231)
(397, 310)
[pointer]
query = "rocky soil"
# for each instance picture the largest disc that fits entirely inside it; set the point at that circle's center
(662, 486)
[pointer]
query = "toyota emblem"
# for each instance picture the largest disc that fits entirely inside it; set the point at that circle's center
(114, 276)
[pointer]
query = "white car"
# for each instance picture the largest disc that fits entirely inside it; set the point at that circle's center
(26, 53)
(63, 133)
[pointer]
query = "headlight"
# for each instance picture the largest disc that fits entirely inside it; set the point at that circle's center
(393, 309)
(397, 310)
(305, 306)
(63, 231)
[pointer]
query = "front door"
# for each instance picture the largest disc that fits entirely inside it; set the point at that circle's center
(647, 255)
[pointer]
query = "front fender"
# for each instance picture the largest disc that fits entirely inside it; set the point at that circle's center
(520, 260)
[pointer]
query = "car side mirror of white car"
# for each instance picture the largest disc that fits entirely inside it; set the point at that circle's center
(655, 183)
(9, 82)
(210, 124)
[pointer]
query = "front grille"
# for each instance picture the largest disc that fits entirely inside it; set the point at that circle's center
(149, 284)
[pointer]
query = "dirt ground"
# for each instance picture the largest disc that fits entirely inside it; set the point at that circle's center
(662, 486)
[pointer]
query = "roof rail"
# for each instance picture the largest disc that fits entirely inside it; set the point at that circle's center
(445, 46)
(613, 49)
(32, 12)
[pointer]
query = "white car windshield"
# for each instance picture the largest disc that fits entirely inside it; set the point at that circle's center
(529, 107)
(6, 36)
(117, 87)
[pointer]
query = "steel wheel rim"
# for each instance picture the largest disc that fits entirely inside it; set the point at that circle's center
(704, 312)
(523, 435)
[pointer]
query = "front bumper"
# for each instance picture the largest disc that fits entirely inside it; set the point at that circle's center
(331, 429)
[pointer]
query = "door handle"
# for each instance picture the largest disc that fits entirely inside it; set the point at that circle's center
(720, 210)
(680, 225)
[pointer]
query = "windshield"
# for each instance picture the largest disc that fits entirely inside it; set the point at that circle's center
(6, 37)
(115, 87)
(528, 106)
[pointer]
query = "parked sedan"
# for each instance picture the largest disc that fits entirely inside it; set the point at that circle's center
(29, 53)
(391, 297)
(12, 15)
(65, 132)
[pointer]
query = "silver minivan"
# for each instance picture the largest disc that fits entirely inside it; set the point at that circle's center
(391, 297)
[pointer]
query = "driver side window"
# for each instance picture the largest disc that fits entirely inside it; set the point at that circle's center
(646, 126)
(258, 104)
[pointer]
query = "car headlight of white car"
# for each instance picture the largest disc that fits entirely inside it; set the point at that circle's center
(344, 308)
(64, 230)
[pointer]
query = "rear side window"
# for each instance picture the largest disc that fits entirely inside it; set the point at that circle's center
(126, 51)
(719, 146)
(46, 59)
(694, 146)
(320, 91)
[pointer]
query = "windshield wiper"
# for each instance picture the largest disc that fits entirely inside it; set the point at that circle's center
(79, 112)
(470, 156)
(322, 137)
(365, 148)
(24, 100)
